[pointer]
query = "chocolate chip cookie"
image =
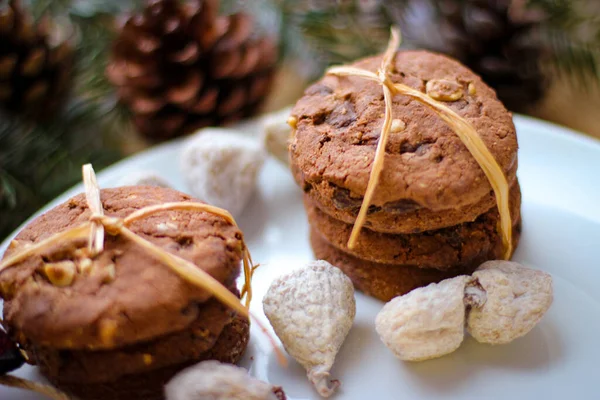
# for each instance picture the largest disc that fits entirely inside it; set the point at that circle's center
(144, 299)
(120, 324)
(427, 169)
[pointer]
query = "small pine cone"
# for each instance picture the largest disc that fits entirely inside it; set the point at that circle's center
(181, 66)
(35, 62)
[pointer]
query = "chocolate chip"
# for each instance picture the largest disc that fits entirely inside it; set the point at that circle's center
(402, 206)
(419, 148)
(407, 147)
(319, 117)
(324, 139)
(342, 115)
(453, 239)
(342, 200)
(185, 241)
(373, 209)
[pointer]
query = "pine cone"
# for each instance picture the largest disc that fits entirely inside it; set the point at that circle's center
(498, 39)
(181, 66)
(35, 64)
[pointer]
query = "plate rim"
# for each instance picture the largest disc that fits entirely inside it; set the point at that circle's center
(558, 132)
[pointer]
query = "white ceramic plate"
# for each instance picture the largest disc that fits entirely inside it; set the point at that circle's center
(560, 176)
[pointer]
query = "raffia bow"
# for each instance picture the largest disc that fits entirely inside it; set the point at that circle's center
(99, 224)
(463, 129)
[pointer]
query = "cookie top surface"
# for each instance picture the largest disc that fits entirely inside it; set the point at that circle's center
(339, 121)
(142, 300)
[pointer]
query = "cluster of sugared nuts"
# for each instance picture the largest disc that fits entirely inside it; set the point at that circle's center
(313, 309)
(500, 302)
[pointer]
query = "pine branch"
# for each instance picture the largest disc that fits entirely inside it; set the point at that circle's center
(572, 34)
(40, 161)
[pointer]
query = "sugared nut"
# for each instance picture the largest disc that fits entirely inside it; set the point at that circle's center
(444, 90)
(277, 133)
(312, 310)
(425, 323)
(215, 381)
(221, 167)
(60, 274)
(516, 299)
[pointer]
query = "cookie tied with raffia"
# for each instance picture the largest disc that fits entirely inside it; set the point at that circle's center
(114, 291)
(410, 147)
(180, 66)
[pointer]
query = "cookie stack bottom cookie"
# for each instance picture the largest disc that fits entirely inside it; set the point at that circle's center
(61, 367)
(388, 265)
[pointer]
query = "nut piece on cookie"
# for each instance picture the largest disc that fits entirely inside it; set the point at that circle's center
(221, 167)
(516, 299)
(60, 274)
(217, 381)
(277, 134)
(425, 323)
(312, 310)
(444, 90)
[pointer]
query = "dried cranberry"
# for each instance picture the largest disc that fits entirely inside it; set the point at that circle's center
(10, 356)
(279, 393)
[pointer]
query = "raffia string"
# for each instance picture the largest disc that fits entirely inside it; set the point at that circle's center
(463, 129)
(95, 229)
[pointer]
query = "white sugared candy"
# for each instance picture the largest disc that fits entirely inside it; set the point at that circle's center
(215, 381)
(312, 310)
(221, 167)
(143, 178)
(516, 300)
(500, 302)
(276, 134)
(425, 323)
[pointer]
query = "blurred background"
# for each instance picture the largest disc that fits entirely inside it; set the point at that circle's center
(97, 80)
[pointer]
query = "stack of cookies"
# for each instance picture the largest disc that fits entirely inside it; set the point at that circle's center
(434, 214)
(120, 324)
